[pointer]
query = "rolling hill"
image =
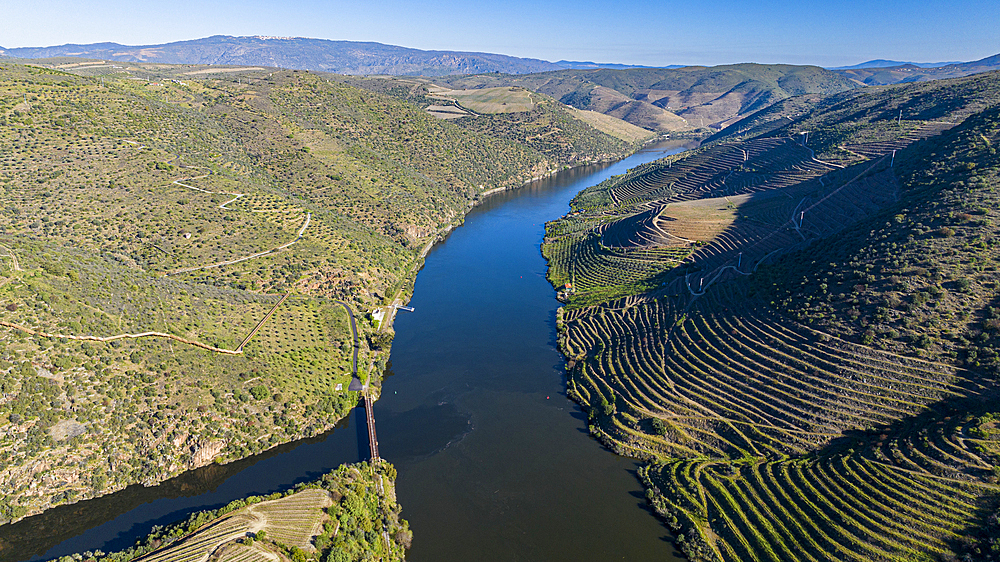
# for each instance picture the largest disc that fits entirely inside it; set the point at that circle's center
(907, 72)
(342, 57)
(672, 99)
(659, 99)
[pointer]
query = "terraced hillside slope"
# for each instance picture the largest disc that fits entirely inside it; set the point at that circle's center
(177, 248)
(864, 118)
(802, 349)
(348, 514)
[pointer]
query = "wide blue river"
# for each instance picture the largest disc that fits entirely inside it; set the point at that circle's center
(494, 461)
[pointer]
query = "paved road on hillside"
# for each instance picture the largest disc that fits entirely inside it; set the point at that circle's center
(354, 330)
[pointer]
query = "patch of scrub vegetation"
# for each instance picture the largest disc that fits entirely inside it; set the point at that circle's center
(817, 381)
(348, 514)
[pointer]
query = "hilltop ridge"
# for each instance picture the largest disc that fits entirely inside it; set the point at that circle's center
(342, 57)
(884, 74)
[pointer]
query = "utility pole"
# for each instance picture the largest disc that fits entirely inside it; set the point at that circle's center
(891, 162)
(900, 120)
(802, 216)
(739, 264)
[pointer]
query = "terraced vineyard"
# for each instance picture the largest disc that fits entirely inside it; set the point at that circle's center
(733, 379)
(349, 514)
(763, 374)
(624, 237)
(851, 506)
(292, 521)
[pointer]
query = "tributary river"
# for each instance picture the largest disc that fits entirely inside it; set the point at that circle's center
(494, 462)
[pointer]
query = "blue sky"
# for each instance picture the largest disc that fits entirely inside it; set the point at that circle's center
(640, 32)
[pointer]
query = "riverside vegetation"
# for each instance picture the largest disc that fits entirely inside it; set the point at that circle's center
(346, 515)
(186, 204)
(801, 338)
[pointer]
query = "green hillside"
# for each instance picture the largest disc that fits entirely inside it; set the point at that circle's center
(531, 119)
(798, 340)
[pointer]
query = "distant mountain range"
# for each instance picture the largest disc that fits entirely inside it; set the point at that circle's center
(909, 72)
(578, 65)
(342, 57)
(882, 63)
(365, 58)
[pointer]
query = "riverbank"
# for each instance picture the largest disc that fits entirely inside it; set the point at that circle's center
(485, 195)
(482, 326)
(519, 478)
(320, 518)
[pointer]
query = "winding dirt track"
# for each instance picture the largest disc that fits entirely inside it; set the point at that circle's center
(122, 337)
(236, 197)
(298, 236)
(354, 330)
(195, 343)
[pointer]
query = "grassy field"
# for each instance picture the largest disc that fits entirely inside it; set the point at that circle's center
(487, 100)
(816, 378)
(348, 514)
(612, 125)
(701, 220)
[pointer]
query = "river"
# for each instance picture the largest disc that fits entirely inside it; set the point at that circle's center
(494, 462)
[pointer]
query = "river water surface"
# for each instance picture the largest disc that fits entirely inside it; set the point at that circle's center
(494, 462)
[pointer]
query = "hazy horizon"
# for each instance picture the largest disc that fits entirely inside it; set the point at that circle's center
(600, 62)
(646, 33)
